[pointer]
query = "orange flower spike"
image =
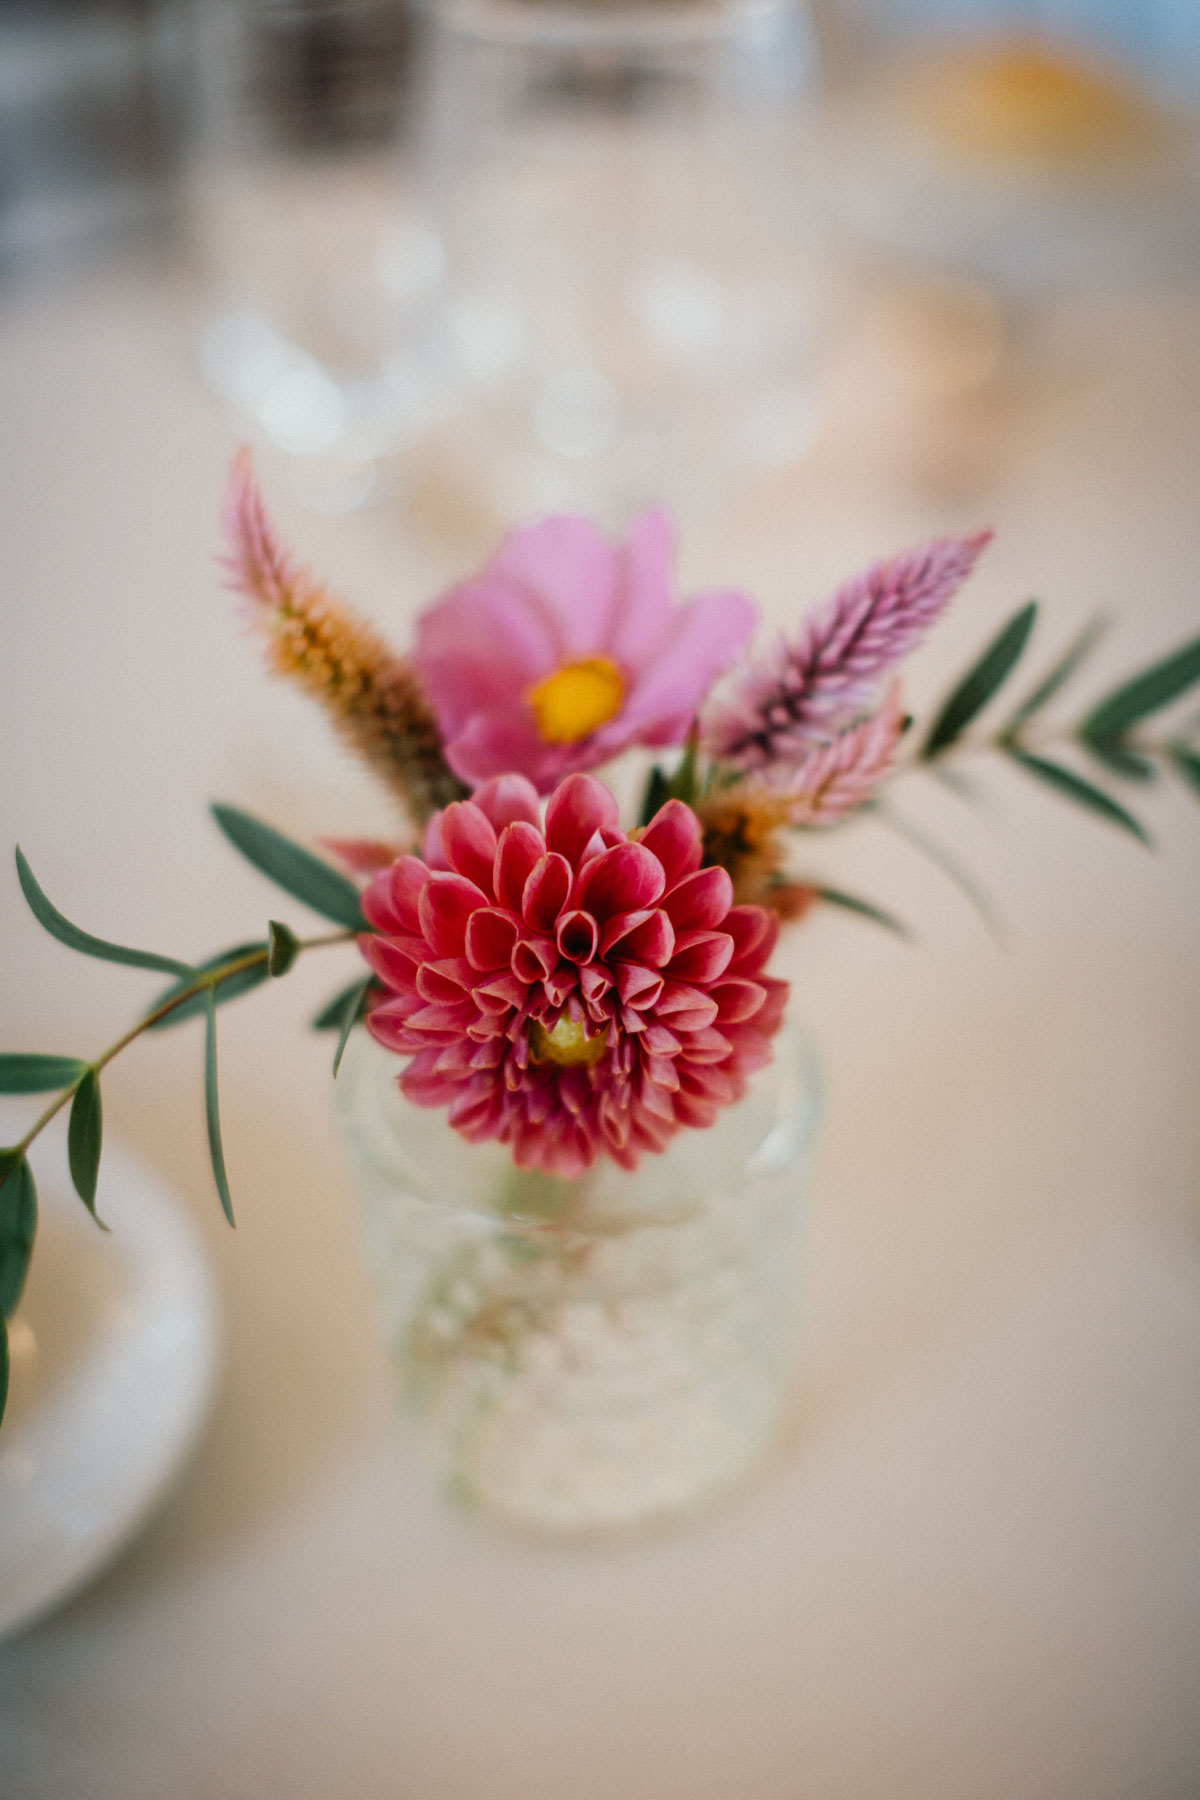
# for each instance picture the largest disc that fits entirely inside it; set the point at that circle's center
(371, 695)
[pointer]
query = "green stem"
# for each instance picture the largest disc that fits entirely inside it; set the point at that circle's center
(212, 978)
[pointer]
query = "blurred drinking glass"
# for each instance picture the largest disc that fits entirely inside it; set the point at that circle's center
(631, 297)
(320, 277)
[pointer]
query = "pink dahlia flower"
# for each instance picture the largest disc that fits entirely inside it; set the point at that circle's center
(567, 649)
(570, 990)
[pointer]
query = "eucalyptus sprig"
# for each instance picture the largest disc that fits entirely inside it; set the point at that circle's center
(197, 989)
(1106, 733)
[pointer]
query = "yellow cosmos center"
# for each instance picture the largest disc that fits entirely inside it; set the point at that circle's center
(577, 699)
(567, 1044)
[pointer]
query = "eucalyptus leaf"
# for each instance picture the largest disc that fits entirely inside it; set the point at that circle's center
(1145, 693)
(30, 1074)
(229, 989)
(658, 792)
(283, 948)
(18, 1225)
(1058, 676)
(1120, 759)
(293, 868)
(212, 1106)
(84, 1133)
(980, 682)
(333, 1013)
(1187, 763)
(1073, 787)
(49, 917)
(352, 1011)
(865, 910)
(949, 865)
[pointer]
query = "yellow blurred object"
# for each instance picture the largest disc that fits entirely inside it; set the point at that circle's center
(1025, 100)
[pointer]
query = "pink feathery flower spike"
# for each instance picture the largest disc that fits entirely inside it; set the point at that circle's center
(836, 778)
(565, 988)
(798, 695)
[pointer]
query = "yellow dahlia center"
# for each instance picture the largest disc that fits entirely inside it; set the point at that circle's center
(567, 1044)
(577, 699)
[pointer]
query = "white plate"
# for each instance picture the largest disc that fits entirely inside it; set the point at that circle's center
(114, 1354)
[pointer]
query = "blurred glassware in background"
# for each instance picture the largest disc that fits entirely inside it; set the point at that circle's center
(1014, 144)
(86, 145)
(586, 280)
(632, 286)
(319, 277)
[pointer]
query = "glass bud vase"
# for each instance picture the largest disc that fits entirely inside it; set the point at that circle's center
(594, 1355)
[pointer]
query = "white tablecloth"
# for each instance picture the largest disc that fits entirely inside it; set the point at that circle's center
(976, 1571)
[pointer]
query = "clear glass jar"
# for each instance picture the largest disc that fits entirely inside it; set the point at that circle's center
(588, 1356)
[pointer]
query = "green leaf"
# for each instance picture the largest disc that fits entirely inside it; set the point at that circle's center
(1073, 787)
(865, 910)
(30, 1074)
(52, 920)
(3, 1365)
(1155, 687)
(658, 792)
(682, 784)
(212, 1106)
(981, 681)
(1061, 673)
(83, 1139)
(352, 1011)
(229, 989)
(18, 1225)
(283, 948)
(949, 865)
(333, 1012)
(294, 869)
(1187, 763)
(1120, 759)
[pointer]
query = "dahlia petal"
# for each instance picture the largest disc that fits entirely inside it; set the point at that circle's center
(501, 993)
(738, 999)
(392, 961)
(447, 902)
(700, 956)
(433, 851)
(707, 1046)
(673, 835)
(534, 958)
(637, 985)
(648, 939)
(437, 988)
(578, 806)
(546, 892)
(660, 1042)
(594, 982)
(627, 878)
(390, 901)
(700, 901)
(469, 843)
(520, 849)
(508, 800)
(686, 1008)
(577, 936)
(491, 938)
(754, 931)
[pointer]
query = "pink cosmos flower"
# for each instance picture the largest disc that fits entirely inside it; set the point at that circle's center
(570, 990)
(567, 649)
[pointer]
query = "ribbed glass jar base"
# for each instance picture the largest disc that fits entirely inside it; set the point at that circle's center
(591, 1355)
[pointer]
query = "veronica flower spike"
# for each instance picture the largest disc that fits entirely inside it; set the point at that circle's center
(567, 649)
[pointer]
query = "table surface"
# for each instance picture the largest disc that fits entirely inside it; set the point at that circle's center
(976, 1571)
